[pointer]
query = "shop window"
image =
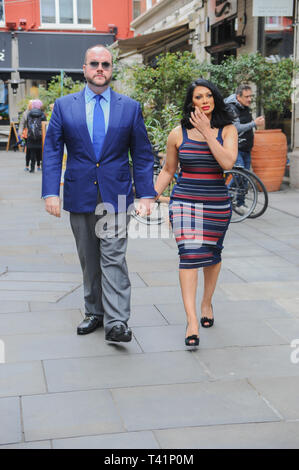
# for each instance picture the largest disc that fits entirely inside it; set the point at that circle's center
(279, 36)
(66, 12)
(2, 12)
(3, 102)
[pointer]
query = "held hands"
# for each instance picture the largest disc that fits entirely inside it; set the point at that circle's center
(200, 121)
(52, 205)
(145, 207)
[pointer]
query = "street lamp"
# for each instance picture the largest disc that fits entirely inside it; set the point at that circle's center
(15, 85)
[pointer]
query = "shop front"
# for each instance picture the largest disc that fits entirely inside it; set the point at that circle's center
(223, 26)
(5, 75)
(44, 55)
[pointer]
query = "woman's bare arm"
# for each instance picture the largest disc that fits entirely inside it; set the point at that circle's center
(167, 173)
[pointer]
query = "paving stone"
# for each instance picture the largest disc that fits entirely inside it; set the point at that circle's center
(290, 305)
(10, 422)
(49, 277)
(228, 311)
(3, 270)
(122, 371)
(69, 415)
(30, 295)
(167, 406)
(10, 306)
(171, 338)
(125, 440)
(237, 436)
(26, 378)
(262, 290)
(44, 445)
(19, 286)
(281, 393)
(40, 322)
(38, 347)
(287, 328)
(16, 265)
(246, 362)
(146, 315)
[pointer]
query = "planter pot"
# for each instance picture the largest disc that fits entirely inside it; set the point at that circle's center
(269, 157)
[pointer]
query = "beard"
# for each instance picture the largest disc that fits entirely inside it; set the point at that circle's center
(96, 84)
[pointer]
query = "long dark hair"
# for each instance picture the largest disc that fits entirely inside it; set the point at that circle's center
(221, 116)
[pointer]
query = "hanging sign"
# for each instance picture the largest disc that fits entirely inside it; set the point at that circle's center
(219, 10)
(272, 8)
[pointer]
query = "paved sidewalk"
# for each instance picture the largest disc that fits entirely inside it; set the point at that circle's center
(60, 390)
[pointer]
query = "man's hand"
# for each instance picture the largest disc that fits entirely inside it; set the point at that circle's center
(52, 205)
(145, 207)
(260, 122)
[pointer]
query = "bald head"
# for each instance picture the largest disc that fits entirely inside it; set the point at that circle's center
(96, 48)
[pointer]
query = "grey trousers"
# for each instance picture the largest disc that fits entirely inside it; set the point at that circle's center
(107, 287)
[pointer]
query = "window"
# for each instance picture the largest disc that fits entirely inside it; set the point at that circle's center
(136, 9)
(1, 11)
(66, 12)
(149, 4)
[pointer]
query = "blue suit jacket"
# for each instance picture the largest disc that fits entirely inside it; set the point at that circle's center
(111, 175)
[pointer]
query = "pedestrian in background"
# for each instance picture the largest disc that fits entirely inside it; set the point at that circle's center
(34, 138)
(205, 144)
(23, 133)
(239, 105)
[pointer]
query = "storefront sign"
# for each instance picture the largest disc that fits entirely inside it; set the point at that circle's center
(5, 51)
(272, 8)
(219, 10)
(56, 51)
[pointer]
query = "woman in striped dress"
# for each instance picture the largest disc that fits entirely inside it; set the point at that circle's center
(204, 145)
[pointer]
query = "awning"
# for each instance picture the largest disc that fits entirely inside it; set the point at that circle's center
(145, 43)
(5, 52)
(234, 43)
(52, 52)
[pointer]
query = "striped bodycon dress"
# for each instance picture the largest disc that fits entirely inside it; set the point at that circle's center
(200, 208)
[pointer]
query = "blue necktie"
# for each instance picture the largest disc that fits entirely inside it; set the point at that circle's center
(98, 127)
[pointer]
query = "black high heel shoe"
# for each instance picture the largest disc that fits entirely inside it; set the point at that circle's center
(192, 340)
(207, 322)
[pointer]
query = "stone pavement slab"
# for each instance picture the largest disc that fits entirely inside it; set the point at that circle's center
(282, 393)
(69, 414)
(122, 371)
(168, 406)
(30, 347)
(230, 311)
(280, 435)
(26, 378)
(38, 445)
(228, 334)
(125, 440)
(10, 422)
(11, 306)
(40, 322)
(248, 362)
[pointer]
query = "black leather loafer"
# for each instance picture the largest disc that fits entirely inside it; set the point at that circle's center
(89, 324)
(119, 333)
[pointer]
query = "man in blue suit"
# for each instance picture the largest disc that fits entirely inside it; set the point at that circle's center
(99, 127)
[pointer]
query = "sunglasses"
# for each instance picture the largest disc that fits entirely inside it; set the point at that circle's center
(105, 65)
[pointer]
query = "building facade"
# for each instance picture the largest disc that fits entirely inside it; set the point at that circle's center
(41, 38)
(215, 29)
